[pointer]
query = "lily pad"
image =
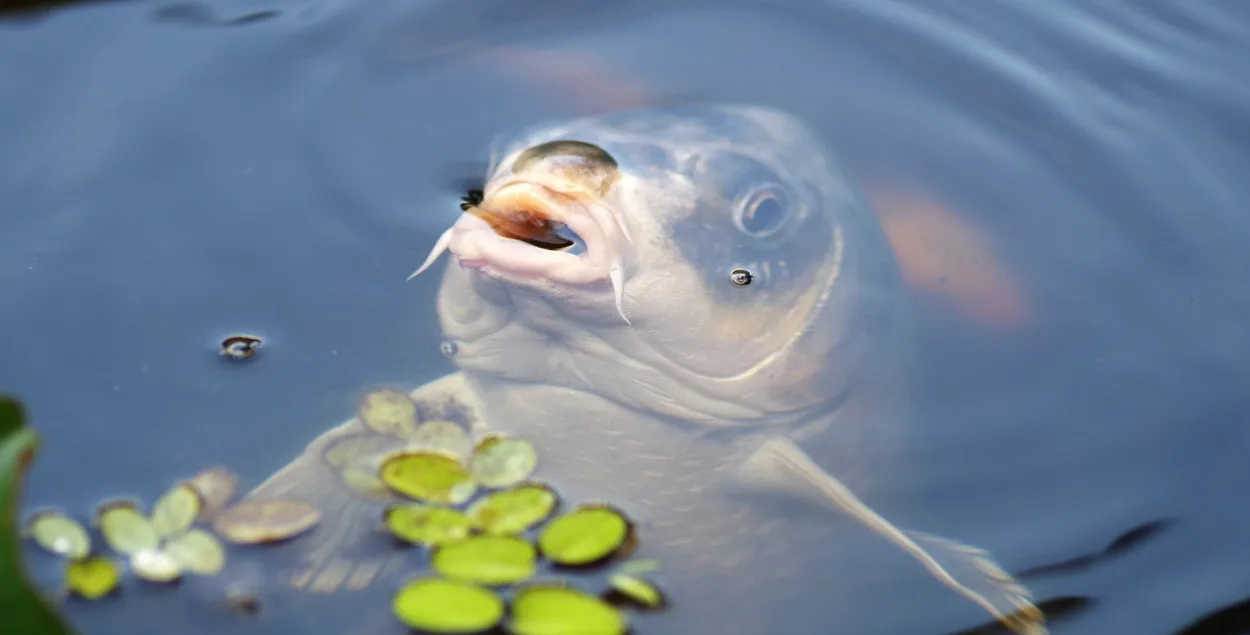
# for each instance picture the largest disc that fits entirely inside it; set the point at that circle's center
(443, 435)
(635, 590)
(155, 565)
(176, 510)
(442, 606)
(126, 530)
(587, 535)
(489, 560)
(197, 551)
(92, 578)
(550, 609)
(427, 525)
(59, 534)
(390, 412)
(435, 477)
(215, 486)
(513, 511)
(503, 461)
(255, 522)
(365, 481)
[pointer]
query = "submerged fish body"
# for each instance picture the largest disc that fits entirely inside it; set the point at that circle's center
(734, 333)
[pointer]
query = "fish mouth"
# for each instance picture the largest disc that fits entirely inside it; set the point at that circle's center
(513, 233)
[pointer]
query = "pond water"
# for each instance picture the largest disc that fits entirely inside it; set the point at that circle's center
(1063, 185)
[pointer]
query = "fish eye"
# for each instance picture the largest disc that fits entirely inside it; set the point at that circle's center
(762, 211)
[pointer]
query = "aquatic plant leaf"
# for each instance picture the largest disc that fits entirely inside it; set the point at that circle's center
(365, 481)
(389, 412)
(197, 551)
(488, 560)
(155, 565)
(637, 590)
(584, 536)
(442, 606)
(429, 476)
(365, 449)
(513, 511)
(446, 436)
(26, 609)
(175, 511)
(92, 578)
(427, 525)
(502, 462)
(645, 565)
(550, 609)
(254, 522)
(215, 486)
(126, 530)
(59, 534)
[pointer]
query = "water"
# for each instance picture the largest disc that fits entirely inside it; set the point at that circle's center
(171, 175)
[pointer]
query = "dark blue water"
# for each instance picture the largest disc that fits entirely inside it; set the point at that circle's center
(174, 173)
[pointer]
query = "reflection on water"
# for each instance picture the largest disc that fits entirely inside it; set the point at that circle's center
(1061, 186)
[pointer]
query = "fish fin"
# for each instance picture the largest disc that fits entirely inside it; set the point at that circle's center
(781, 466)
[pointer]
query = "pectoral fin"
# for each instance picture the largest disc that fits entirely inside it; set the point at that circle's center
(782, 467)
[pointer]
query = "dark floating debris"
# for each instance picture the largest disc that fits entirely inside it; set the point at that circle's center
(241, 346)
(1124, 543)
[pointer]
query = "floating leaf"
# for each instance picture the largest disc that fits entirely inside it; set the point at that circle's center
(584, 536)
(637, 590)
(365, 481)
(365, 450)
(427, 525)
(215, 486)
(60, 534)
(126, 530)
(252, 522)
(390, 412)
(446, 436)
(442, 606)
(502, 461)
(176, 510)
(514, 510)
(435, 477)
(155, 565)
(489, 560)
(197, 551)
(549, 609)
(92, 578)
(645, 565)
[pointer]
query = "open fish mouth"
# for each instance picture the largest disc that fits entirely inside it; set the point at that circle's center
(515, 231)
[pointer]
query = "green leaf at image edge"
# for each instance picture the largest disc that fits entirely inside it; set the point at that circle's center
(25, 610)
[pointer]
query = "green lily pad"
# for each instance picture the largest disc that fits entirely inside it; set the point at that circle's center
(155, 565)
(92, 578)
(256, 522)
(587, 535)
(443, 606)
(435, 477)
(636, 590)
(59, 534)
(513, 511)
(489, 560)
(427, 525)
(446, 436)
(126, 530)
(26, 609)
(550, 609)
(197, 551)
(176, 510)
(390, 412)
(502, 461)
(215, 486)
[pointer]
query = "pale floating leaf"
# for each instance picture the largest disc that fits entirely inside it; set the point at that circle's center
(59, 534)
(390, 412)
(365, 481)
(430, 476)
(176, 510)
(155, 565)
(215, 486)
(441, 606)
(501, 462)
(489, 560)
(637, 590)
(92, 578)
(550, 609)
(364, 450)
(126, 530)
(253, 522)
(514, 510)
(197, 551)
(446, 436)
(427, 525)
(645, 565)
